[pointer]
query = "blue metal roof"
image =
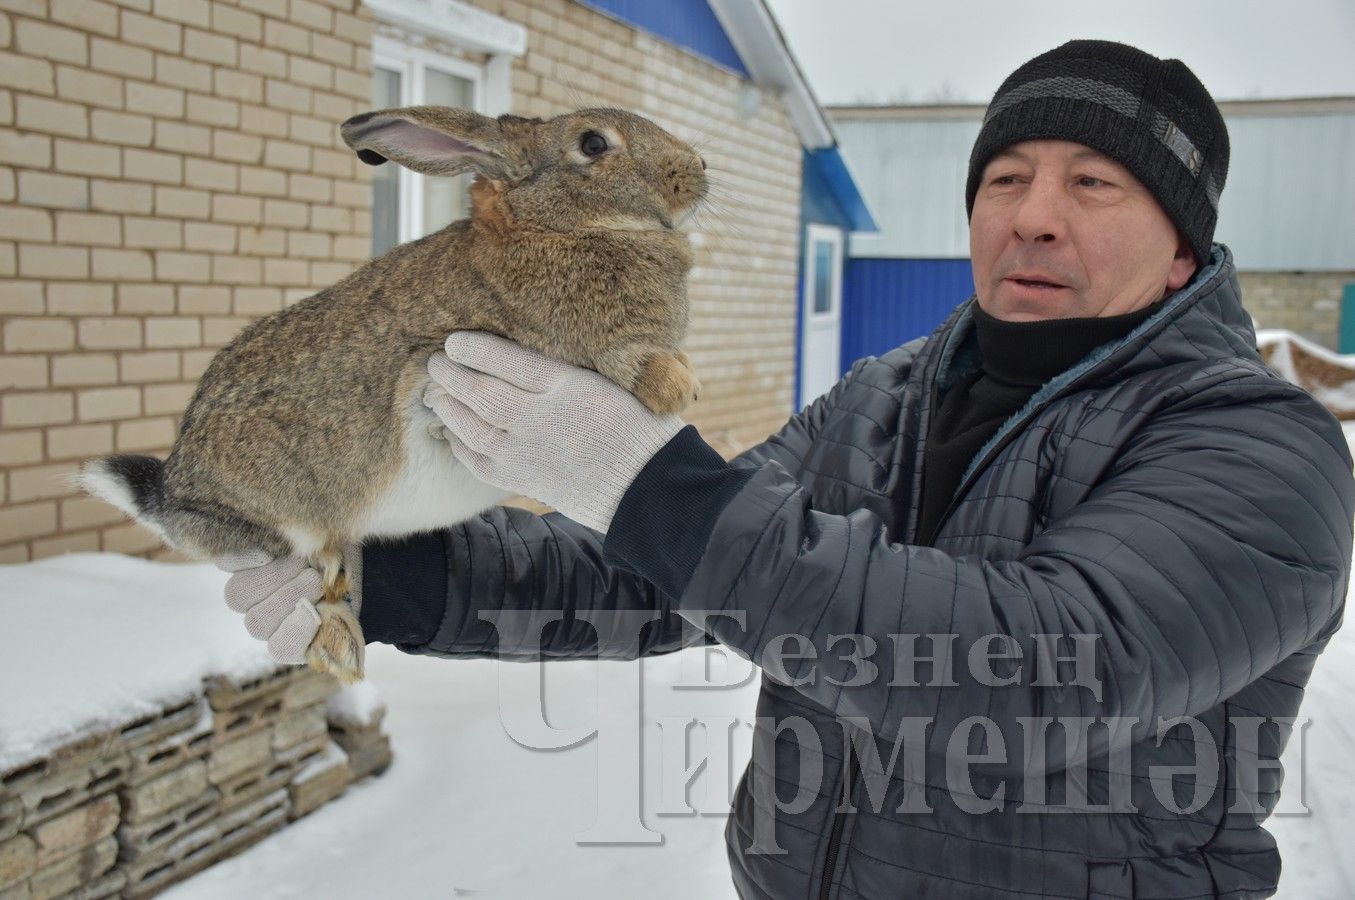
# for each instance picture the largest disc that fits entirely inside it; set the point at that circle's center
(831, 170)
(688, 23)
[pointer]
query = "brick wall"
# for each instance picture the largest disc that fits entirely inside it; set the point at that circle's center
(1308, 303)
(171, 169)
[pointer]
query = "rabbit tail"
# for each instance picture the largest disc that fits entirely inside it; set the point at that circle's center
(136, 485)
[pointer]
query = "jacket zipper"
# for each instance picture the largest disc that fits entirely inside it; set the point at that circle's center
(839, 820)
(849, 767)
(849, 772)
(1013, 429)
(978, 469)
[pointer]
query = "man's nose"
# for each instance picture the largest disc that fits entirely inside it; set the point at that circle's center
(1040, 216)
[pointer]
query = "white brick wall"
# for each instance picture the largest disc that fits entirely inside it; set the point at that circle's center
(1308, 303)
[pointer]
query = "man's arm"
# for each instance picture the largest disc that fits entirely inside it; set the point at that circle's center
(1218, 545)
(430, 594)
(425, 594)
(789, 445)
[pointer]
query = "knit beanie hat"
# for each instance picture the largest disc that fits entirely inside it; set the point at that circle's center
(1153, 116)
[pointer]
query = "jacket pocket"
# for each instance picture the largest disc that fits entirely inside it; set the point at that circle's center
(1110, 879)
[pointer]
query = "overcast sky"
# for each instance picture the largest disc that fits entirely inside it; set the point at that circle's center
(960, 50)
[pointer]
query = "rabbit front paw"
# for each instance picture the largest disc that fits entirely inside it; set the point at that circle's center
(666, 383)
(696, 382)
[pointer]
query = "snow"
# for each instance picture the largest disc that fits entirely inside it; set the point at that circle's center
(331, 756)
(355, 704)
(1339, 398)
(1267, 336)
(91, 641)
(464, 810)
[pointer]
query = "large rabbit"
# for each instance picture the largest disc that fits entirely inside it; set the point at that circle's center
(308, 432)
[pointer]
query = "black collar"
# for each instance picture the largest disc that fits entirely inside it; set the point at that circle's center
(1034, 352)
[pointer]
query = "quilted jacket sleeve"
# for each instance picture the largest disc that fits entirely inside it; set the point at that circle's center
(788, 446)
(436, 593)
(1218, 545)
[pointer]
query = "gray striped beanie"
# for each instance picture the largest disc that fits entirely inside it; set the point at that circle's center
(1151, 115)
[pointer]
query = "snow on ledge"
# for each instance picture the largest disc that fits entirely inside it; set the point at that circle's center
(1265, 336)
(1331, 381)
(91, 641)
(357, 705)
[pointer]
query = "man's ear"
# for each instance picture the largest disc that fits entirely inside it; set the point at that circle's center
(1183, 265)
(434, 140)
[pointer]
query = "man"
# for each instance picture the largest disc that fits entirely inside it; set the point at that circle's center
(1085, 480)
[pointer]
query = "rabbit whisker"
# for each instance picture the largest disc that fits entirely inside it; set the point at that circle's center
(727, 226)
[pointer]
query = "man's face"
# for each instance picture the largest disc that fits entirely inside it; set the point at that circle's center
(1060, 230)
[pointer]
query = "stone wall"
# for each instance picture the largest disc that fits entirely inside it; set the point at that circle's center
(171, 170)
(132, 810)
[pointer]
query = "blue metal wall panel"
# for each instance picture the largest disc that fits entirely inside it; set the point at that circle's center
(888, 302)
(688, 23)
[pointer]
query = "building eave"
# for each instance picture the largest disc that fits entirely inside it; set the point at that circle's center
(759, 42)
(753, 31)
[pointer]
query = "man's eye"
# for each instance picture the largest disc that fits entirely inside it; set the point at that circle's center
(1090, 181)
(592, 143)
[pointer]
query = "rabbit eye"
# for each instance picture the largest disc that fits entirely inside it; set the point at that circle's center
(592, 143)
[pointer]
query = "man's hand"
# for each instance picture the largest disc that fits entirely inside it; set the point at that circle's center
(278, 597)
(533, 425)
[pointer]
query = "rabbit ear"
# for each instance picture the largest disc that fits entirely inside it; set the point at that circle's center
(434, 140)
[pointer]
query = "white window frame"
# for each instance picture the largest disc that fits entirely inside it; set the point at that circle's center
(813, 234)
(412, 63)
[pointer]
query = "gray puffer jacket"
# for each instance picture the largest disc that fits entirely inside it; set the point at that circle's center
(1169, 495)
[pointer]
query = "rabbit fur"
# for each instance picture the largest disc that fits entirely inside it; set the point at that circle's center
(308, 432)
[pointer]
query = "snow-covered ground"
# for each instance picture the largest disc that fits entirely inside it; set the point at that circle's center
(465, 811)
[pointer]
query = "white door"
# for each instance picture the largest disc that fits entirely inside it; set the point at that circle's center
(821, 334)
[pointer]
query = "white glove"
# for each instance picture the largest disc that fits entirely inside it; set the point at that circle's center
(278, 597)
(533, 425)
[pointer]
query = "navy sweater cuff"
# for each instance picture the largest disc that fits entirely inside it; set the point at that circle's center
(665, 518)
(404, 590)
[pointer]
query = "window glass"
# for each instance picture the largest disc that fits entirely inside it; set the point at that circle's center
(823, 277)
(446, 199)
(386, 177)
